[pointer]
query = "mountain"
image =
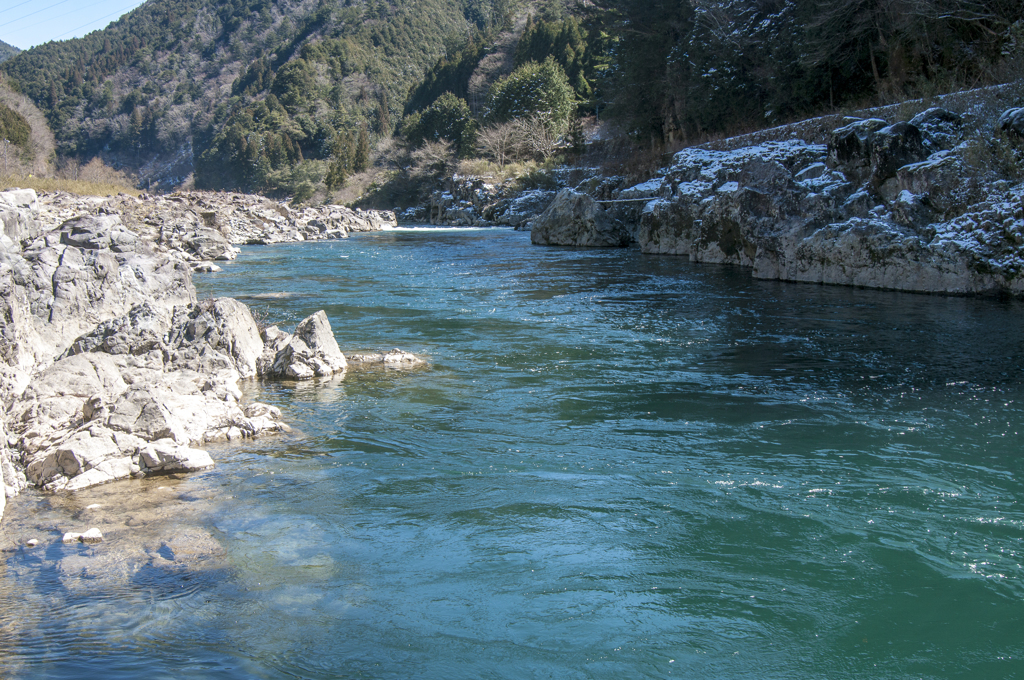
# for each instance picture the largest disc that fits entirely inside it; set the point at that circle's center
(246, 94)
(7, 51)
(291, 97)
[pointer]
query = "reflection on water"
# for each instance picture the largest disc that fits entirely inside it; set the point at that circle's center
(616, 466)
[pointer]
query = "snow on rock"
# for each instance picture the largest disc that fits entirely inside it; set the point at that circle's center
(884, 205)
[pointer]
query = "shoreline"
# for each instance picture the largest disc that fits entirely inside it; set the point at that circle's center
(113, 368)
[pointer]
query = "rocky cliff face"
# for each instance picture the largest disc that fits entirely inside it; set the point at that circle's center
(109, 366)
(898, 206)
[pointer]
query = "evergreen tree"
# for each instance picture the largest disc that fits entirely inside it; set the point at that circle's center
(533, 90)
(448, 118)
(361, 157)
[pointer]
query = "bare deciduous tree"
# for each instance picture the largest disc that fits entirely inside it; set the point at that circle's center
(501, 142)
(539, 136)
(434, 157)
(518, 140)
(68, 168)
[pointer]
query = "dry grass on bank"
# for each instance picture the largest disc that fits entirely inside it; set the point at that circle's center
(79, 187)
(482, 167)
(94, 178)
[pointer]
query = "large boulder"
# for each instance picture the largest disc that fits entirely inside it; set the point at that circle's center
(209, 244)
(849, 147)
(892, 147)
(167, 456)
(933, 181)
(310, 352)
(940, 127)
(98, 232)
(575, 219)
(19, 215)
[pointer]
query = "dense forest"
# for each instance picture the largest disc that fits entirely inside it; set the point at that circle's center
(7, 51)
(294, 96)
(251, 94)
(684, 69)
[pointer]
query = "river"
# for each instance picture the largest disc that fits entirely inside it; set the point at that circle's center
(614, 466)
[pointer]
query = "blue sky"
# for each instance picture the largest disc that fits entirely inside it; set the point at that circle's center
(25, 23)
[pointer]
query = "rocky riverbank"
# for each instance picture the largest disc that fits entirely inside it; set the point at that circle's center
(930, 203)
(895, 206)
(111, 367)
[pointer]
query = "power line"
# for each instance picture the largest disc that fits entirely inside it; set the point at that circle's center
(15, 6)
(94, 21)
(66, 14)
(14, 21)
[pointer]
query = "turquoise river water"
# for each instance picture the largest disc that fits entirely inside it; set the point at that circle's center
(614, 466)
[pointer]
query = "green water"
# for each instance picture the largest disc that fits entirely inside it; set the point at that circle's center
(615, 466)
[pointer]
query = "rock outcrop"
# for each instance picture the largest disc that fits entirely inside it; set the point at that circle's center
(310, 352)
(208, 226)
(109, 366)
(64, 282)
(575, 219)
(900, 206)
(469, 201)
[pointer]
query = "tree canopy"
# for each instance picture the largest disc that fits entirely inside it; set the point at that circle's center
(448, 118)
(534, 89)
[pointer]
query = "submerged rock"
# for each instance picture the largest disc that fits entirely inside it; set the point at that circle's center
(394, 358)
(93, 535)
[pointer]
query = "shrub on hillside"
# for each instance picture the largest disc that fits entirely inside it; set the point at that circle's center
(13, 127)
(448, 119)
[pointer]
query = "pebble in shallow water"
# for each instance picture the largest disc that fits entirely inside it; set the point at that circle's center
(91, 536)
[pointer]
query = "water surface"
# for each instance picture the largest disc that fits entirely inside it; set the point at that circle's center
(615, 466)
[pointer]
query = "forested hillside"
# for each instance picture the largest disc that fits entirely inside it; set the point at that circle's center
(254, 94)
(294, 96)
(684, 69)
(7, 51)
